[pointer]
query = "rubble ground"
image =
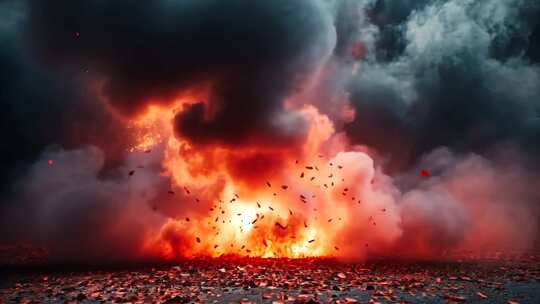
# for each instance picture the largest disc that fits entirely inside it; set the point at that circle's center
(496, 279)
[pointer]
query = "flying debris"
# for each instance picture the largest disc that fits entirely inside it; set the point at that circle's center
(187, 219)
(309, 167)
(284, 187)
(198, 240)
(425, 173)
(311, 241)
(258, 205)
(481, 295)
(170, 192)
(269, 185)
(131, 172)
(187, 190)
(302, 175)
(281, 226)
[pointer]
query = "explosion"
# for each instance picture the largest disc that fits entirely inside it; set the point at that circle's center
(253, 201)
(269, 129)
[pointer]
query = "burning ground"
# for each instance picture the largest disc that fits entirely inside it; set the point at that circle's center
(155, 132)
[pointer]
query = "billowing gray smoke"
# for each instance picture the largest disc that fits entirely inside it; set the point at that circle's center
(461, 74)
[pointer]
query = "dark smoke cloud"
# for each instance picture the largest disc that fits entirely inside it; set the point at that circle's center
(41, 108)
(251, 54)
(460, 74)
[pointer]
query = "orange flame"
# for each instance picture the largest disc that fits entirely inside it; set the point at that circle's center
(245, 201)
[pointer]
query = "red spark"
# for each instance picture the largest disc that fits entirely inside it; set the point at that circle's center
(425, 173)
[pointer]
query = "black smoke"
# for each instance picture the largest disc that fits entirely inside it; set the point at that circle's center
(72, 72)
(40, 108)
(251, 54)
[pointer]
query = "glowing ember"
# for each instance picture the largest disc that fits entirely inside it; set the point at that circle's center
(425, 173)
